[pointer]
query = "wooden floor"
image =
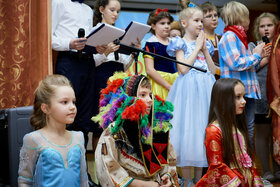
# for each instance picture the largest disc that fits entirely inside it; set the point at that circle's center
(275, 184)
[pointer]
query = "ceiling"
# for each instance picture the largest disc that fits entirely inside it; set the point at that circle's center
(173, 5)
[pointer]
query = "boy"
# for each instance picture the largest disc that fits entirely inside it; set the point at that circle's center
(133, 150)
(236, 61)
(210, 23)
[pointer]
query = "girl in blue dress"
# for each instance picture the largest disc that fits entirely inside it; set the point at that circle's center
(53, 156)
(162, 73)
(191, 94)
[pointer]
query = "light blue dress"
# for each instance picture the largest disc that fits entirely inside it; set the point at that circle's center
(43, 163)
(190, 94)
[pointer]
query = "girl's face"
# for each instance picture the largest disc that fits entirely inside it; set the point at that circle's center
(266, 28)
(193, 25)
(239, 92)
(145, 94)
(162, 28)
(210, 20)
(62, 109)
(111, 12)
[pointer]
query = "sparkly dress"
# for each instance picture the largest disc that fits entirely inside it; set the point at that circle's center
(43, 163)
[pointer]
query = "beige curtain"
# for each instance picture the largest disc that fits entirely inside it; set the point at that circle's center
(25, 49)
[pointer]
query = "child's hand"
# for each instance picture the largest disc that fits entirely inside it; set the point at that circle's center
(259, 49)
(267, 50)
(200, 40)
(111, 47)
(204, 48)
(165, 181)
(101, 48)
(137, 45)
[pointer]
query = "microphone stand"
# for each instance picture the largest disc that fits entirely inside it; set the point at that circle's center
(135, 54)
(131, 49)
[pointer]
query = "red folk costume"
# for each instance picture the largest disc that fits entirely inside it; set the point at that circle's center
(273, 92)
(220, 174)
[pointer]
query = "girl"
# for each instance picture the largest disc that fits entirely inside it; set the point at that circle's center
(190, 93)
(107, 11)
(162, 73)
(236, 61)
(264, 26)
(227, 142)
(51, 155)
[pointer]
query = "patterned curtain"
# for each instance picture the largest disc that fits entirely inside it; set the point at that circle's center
(25, 49)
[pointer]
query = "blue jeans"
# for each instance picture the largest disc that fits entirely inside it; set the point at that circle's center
(250, 115)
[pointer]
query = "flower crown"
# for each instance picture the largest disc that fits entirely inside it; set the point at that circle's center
(116, 105)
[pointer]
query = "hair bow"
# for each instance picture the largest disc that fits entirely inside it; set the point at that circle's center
(191, 5)
(160, 10)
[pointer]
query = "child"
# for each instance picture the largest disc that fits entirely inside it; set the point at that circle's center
(162, 73)
(107, 11)
(210, 23)
(133, 150)
(227, 142)
(264, 25)
(51, 155)
(236, 61)
(190, 93)
(273, 94)
(175, 29)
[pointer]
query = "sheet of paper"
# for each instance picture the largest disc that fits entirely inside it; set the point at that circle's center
(103, 34)
(135, 30)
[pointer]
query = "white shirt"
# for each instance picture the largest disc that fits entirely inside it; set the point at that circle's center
(124, 59)
(67, 18)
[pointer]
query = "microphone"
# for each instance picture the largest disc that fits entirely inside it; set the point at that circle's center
(116, 54)
(81, 34)
(265, 39)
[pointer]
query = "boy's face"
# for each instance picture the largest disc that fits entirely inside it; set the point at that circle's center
(210, 20)
(145, 94)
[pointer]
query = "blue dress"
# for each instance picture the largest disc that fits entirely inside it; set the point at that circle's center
(43, 163)
(190, 95)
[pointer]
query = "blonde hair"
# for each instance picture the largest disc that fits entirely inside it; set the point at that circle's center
(257, 21)
(43, 93)
(186, 13)
(234, 13)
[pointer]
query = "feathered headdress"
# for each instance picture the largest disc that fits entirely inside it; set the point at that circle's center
(118, 102)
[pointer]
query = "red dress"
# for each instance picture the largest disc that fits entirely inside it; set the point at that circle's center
(220, 174)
